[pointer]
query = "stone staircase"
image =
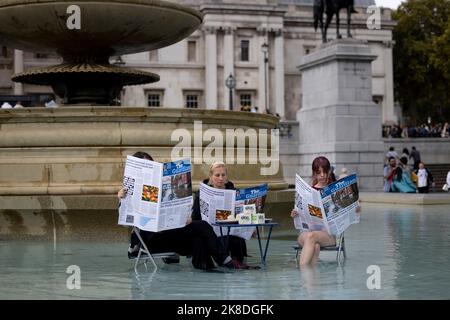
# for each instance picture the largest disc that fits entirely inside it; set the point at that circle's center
(439, 172)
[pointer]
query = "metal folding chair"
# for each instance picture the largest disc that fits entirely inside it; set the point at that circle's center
(144, 254)
(339, 247)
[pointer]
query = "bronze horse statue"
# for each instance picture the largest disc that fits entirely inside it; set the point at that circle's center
(330, 8)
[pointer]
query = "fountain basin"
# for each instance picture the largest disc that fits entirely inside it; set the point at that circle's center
(108, 27)
(104, 28)
(73, 158)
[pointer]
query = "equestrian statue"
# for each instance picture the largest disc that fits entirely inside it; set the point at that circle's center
(331, 7)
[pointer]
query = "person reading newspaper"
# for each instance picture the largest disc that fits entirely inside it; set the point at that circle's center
(196, 239)
(218, 178)
(312, 240)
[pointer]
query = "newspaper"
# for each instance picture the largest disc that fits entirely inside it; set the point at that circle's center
(222, 205)
(333, 209)
(158, 195)
(253, 195)
(216, 204)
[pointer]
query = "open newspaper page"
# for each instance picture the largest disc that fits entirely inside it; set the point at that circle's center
(142, 181)
(176, 198)
(216, 204)
(253, 195)
(340, 200)
(308, 203)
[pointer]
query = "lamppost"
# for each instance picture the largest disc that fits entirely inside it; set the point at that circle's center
(265, 50)
(231, 84)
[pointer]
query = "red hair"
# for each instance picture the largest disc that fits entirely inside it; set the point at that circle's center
(324, 163)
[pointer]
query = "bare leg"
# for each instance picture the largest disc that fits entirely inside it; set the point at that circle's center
(308, 249)
(309, 278)
(315, 258)
(309, 240)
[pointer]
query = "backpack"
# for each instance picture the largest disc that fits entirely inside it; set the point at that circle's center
(414, 178)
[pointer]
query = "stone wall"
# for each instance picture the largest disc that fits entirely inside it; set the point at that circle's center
(72, 158)
(433, 150)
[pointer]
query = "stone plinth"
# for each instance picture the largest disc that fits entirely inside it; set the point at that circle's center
(338, 118)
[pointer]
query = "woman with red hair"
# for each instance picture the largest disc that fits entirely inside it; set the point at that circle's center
(311, 241)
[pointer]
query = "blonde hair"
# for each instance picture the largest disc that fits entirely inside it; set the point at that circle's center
(215, 165)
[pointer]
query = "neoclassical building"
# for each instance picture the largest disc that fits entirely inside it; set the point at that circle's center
(259, 43)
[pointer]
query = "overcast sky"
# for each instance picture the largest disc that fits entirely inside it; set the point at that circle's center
(393, 4)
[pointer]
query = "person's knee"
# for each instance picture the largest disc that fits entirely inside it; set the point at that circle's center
(310, 237)
(203, 224)
(200, 225)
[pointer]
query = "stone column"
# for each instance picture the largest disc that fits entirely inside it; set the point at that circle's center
(134, 97)
(18, 68)
(388, 101)
(262, 71)
(279, 74)
(211, 67)
(338, 118)
(228, 63)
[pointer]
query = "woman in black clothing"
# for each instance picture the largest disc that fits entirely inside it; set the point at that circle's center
(196, 239)
(218, 178)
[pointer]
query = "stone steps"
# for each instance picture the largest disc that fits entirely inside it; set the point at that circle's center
(439, 172)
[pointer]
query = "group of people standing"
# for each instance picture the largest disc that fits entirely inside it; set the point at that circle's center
(422, 131)
(399, 176)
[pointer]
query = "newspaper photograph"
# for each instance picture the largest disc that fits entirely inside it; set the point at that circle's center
(332, 209)
(253, 195)
(158, 195)
(340, 201)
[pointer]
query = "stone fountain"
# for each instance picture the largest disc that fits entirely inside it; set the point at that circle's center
(60, 168)
(86, 34)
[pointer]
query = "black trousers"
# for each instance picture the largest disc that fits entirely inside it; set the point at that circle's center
(197, 239)
(236, 246)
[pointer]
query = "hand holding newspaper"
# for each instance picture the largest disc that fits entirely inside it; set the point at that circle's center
(158, 196)
(333, 209)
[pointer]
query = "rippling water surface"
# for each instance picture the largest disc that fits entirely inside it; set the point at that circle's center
(410, 245)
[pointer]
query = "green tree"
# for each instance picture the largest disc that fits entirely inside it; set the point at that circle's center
(421, 59)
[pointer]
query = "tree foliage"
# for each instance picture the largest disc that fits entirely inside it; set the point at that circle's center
(422, 59)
